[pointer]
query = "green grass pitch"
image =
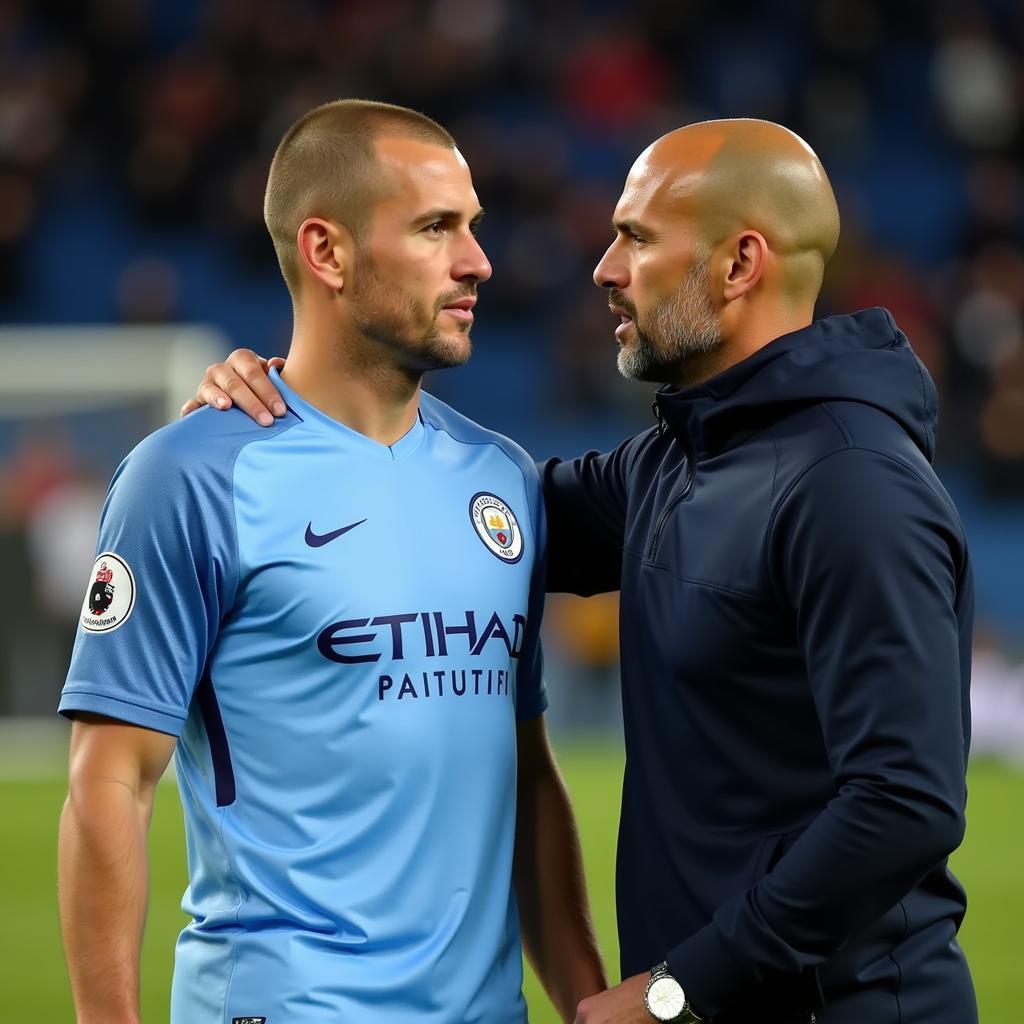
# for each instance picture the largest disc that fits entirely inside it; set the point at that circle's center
(32, 978)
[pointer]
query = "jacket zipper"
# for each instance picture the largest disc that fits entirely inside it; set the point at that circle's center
(667, 510)
(656, 409)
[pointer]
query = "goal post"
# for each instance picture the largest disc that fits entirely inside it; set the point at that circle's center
(59, 370)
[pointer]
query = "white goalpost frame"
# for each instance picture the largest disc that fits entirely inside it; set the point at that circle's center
(55, 370)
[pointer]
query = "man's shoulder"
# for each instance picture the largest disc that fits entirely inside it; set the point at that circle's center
(202, 444)
(461, 428)
(829, 427)
(849, 447)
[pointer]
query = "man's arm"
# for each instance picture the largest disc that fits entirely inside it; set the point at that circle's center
(167, 550)
(585, 501)
(102, 864)
(872, 563)
(558, 935)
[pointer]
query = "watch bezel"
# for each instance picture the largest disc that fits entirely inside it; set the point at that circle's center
(661, 972)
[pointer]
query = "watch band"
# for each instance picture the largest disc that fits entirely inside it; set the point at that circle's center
(660, 970)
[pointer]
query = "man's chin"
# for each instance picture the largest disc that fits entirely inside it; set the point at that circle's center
(643, 375)
(637, 365)
(448, 351)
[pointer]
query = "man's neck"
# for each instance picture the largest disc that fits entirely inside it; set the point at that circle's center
(749, 337)
(372, 396)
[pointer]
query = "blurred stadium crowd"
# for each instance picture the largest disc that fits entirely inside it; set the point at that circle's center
(135, 137)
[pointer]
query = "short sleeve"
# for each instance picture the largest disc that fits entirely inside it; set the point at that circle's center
(164, 576)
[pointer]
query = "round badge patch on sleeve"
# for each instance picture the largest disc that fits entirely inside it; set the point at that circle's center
(111, 596)
(496, 525)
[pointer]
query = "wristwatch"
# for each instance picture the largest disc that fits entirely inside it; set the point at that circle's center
(665, 999)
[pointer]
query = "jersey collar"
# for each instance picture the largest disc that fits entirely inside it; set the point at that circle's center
(320, 421)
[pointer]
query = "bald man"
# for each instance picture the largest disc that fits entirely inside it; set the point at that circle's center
(797, 603)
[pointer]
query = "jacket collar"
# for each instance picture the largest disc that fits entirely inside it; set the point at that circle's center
(860, 357)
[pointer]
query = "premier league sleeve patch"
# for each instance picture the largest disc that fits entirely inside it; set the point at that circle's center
(496, 525)
(111, 596)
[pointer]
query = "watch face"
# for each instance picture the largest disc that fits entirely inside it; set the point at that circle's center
(665, 999)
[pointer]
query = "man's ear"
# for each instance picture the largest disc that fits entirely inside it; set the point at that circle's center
(326, 251)
(746, 263)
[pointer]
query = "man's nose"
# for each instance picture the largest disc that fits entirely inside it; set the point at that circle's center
(472, 262)
(611, 272)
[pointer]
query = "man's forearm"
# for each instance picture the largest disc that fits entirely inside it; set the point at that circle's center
(103, 873)
(558, 934)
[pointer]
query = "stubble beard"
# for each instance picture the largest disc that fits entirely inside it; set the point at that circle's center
(678, 330)
(397, 323)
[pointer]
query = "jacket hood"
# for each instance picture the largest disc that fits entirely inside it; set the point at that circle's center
(860, 357)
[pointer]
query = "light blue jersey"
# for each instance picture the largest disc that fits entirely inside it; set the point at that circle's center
(343, 636)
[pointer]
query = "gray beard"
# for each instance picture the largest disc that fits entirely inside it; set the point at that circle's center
(683, 326)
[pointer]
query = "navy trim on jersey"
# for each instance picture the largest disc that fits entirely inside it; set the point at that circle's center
(220, 751)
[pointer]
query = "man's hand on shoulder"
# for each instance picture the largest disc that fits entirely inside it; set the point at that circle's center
(241, 380)
(623, 1004)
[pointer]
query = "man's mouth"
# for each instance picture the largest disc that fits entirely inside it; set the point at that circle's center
(626, 319)
(461, 309)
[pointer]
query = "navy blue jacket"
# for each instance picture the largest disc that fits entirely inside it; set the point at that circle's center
(796, 612)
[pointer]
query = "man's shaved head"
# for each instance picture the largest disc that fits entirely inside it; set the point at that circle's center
(327, 166)
(730, 175)
(722, 234)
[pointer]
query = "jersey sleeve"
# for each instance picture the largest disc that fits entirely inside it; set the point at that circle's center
(531, 694)
(164, 577)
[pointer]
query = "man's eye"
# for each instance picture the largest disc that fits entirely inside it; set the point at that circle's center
(437, 228)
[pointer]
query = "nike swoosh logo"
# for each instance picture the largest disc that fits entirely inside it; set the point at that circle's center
(318, 540)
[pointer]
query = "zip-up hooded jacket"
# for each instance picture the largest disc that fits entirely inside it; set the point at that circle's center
(795, 624)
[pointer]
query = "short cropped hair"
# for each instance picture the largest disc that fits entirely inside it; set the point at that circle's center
(326, 166)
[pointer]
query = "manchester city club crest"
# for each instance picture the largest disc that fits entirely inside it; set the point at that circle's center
(496, 525)
(111, 595)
